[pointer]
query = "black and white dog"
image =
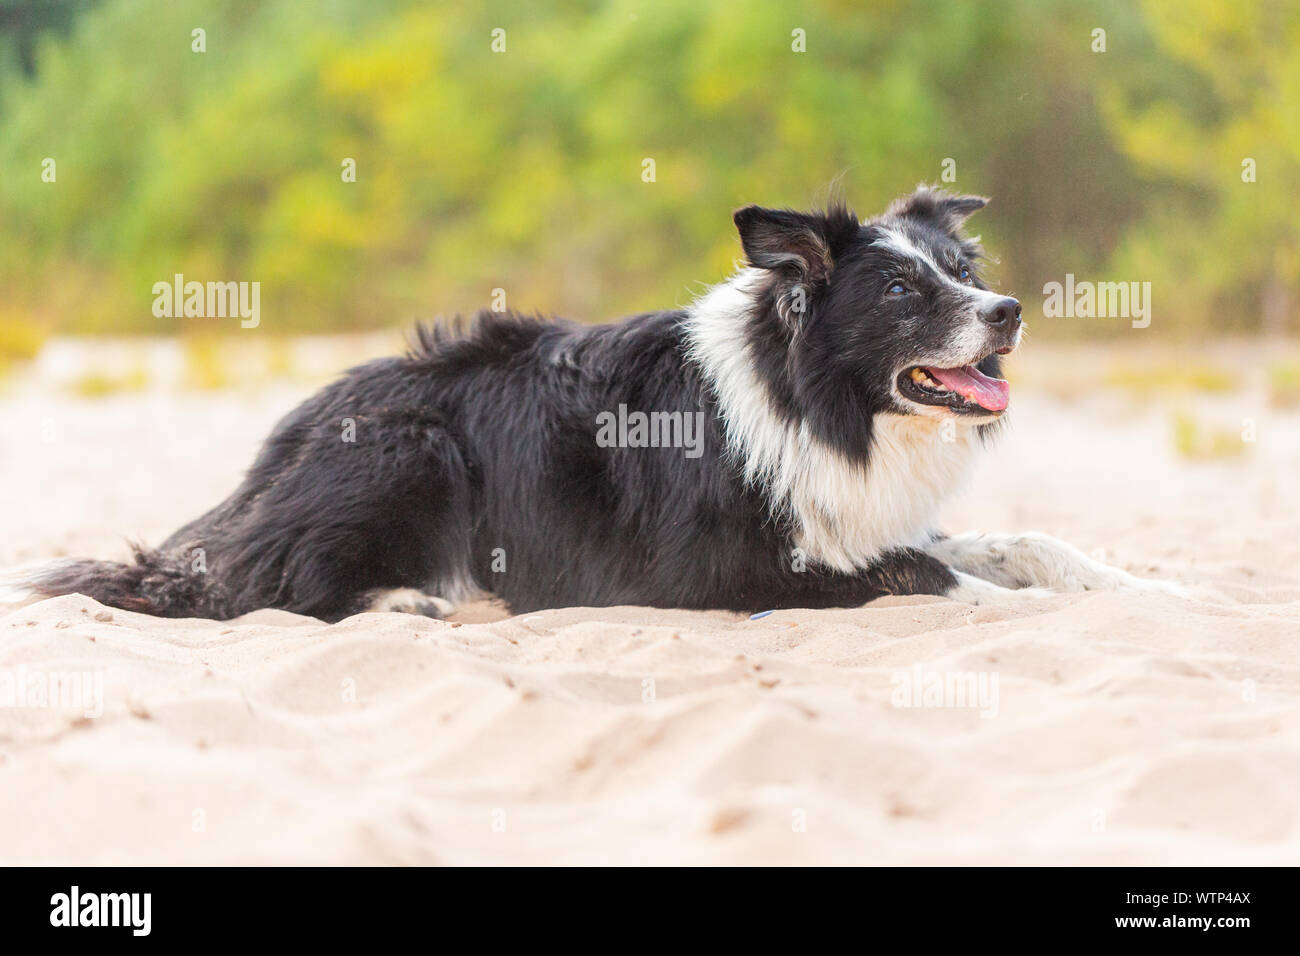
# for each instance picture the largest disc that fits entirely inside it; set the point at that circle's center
(785, 441)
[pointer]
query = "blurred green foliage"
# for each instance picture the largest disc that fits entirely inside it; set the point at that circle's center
(1199, 440)
(522, 169)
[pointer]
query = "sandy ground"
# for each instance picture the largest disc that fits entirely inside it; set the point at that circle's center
(1101, 728)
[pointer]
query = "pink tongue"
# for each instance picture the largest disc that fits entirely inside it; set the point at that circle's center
(971, 383)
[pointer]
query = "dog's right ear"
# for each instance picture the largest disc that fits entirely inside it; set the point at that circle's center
(801, 246)
(943, 209)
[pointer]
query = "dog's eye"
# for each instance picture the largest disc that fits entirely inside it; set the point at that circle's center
(965, 274)
(896, 288)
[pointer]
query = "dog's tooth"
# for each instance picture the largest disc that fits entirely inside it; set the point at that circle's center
(918, 375)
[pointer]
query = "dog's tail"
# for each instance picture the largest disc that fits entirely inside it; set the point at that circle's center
(153, 582)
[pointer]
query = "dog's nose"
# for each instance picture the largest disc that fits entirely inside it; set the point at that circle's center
(1000, 312)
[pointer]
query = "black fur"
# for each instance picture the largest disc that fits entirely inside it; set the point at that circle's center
(479, 446)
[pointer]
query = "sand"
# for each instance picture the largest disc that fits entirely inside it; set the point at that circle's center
(1088, 728)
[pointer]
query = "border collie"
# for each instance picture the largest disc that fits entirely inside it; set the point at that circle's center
(784, 441)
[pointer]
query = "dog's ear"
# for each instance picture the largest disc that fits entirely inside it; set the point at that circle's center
(944, 210)
(801, 246)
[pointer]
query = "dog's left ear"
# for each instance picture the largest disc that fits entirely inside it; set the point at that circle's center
(801, 246)
(945, 210)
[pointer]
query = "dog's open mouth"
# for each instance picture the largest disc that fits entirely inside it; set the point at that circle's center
(965, 390)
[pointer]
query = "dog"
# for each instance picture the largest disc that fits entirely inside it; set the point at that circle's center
(786, 440)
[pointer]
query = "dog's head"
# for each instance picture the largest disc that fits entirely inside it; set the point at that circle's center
(892, 310)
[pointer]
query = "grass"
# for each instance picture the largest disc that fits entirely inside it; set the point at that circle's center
(20, 341)
(1198, 442)
(1284, 385)
(98, 385)
(1172, 377)
(205, 366)
(279, 358)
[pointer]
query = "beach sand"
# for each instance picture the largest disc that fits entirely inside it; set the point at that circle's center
(1101, 728)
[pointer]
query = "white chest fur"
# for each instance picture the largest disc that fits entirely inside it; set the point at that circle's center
(845, 514)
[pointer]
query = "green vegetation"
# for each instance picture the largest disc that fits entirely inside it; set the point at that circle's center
(1198, 441)
(20, 340)
(523, 169)
(99, 384)
(1164, 377)
(1284, 385)
(206, 366)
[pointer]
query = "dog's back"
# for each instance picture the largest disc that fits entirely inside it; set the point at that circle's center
(470, 464)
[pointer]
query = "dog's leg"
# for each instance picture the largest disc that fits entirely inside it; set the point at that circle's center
(408, 601)
(971, 589)
(902, 572)
(1035, 559)
(328, 527)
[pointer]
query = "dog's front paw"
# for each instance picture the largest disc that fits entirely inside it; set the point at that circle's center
(409, 601)
(1154, 586)
(1105, 578)
(973, 590)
